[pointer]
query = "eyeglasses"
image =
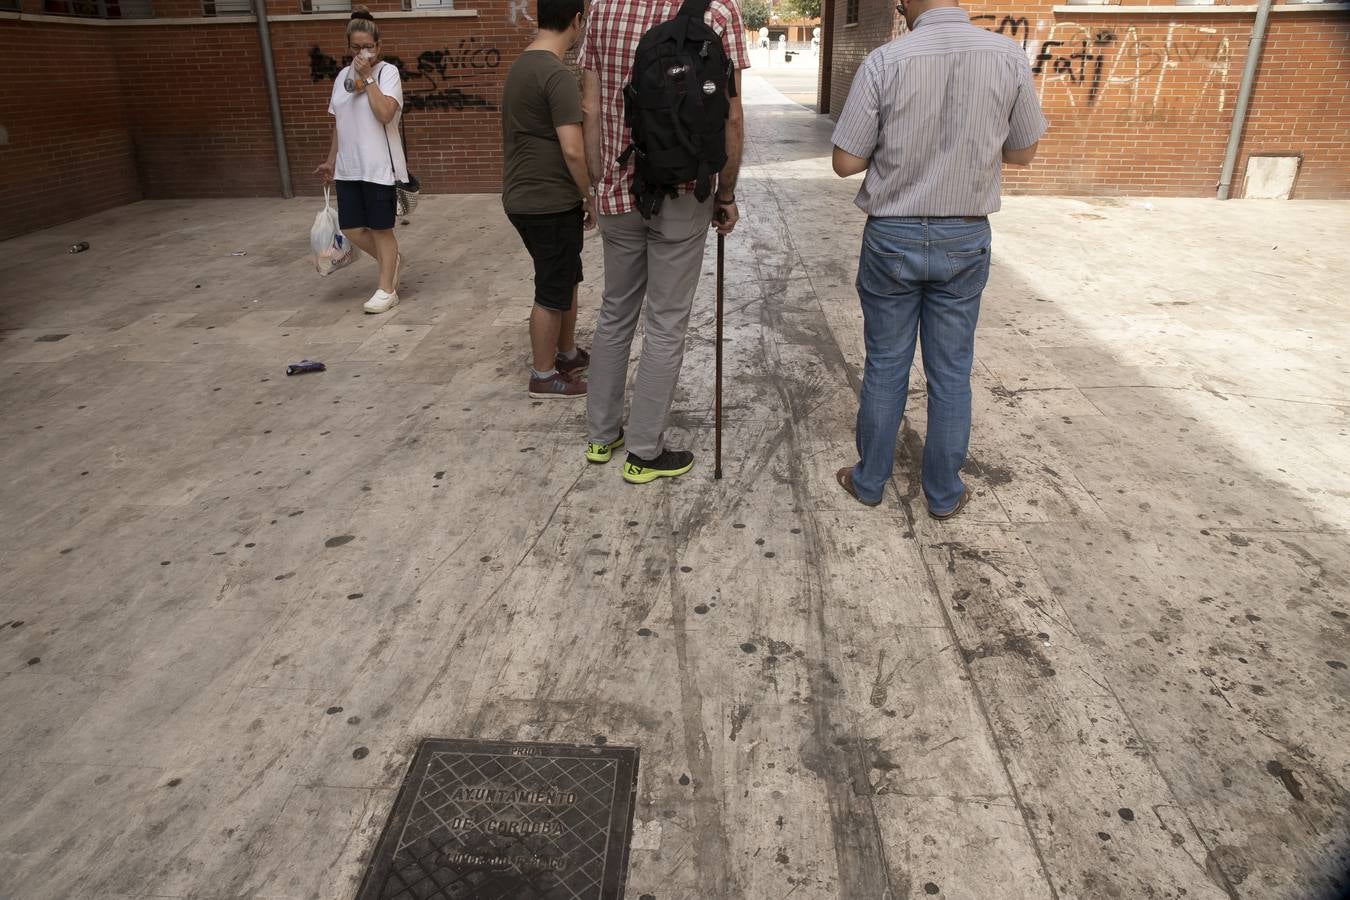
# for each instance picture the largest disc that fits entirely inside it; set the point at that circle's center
(359, 47)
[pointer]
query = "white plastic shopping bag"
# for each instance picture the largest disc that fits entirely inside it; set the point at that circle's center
(331, 248)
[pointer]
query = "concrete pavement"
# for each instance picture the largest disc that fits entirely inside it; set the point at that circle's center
(1121, 673)
(797, 80)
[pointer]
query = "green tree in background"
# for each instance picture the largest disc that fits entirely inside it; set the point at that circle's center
(799, 9)
(755, 13)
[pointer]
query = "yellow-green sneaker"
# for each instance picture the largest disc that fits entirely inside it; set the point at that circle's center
(600, 453)
(670, 464)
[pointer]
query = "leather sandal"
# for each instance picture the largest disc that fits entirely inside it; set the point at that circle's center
(845, 478)
(960, 505)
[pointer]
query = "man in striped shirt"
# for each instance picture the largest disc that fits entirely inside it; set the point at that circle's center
(658, 259)
(930, 118)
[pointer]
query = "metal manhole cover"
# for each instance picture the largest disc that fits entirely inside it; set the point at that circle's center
(500, 820)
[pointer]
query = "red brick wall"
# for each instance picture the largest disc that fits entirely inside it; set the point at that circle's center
(119, 112)
(1142, 104)
(69, 151)
(197, 109)
(113, 113)
(1301, 103)
(875, 26)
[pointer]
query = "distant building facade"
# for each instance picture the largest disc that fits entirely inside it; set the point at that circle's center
(1141, 97)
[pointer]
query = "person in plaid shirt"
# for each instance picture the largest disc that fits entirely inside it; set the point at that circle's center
(658, 259)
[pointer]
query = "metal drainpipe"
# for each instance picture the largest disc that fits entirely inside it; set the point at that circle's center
(1244, 97)
(274, 101)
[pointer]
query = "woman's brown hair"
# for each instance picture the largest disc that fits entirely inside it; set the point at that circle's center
(364, 23)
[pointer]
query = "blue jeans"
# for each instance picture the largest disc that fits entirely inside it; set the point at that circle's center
(919, 277)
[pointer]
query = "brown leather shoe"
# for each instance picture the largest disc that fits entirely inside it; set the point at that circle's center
(960, 505)
(580, 364)
(558, 386)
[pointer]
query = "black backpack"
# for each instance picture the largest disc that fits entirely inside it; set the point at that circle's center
(676, 105)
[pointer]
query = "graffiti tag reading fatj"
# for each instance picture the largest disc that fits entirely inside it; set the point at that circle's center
(426, 86)
(1092, 61)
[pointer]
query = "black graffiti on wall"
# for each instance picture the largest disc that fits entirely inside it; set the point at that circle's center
(1018, 28)
(1080, 61)
(465, 55)
(429, 83)
(323, 67)
(445, 98)
(1131, 63)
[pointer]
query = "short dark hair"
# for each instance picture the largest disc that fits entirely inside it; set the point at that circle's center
(557, 15)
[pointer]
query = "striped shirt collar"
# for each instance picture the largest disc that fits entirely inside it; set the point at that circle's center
(942, 14)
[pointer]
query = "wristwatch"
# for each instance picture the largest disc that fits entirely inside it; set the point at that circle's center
(718, 198)
(368, 81)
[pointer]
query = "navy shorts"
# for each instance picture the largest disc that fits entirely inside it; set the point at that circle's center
(554, 241)
(362, 204)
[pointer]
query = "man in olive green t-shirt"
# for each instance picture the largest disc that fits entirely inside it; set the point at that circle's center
(547, 193)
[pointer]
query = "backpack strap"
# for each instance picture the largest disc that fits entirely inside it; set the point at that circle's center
(703, 186)
(694, 9)
(649, 198)
(691, 11)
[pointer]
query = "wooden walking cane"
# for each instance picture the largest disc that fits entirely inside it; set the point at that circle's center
(717, 391)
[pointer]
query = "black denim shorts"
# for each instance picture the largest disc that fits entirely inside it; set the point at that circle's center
(364, 204)
(554, 241)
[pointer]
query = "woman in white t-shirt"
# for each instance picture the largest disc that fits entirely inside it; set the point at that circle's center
(366, 156)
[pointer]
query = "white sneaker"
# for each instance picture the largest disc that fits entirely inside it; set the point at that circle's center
(383, 301)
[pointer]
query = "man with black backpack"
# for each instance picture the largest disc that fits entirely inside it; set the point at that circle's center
(664, 131)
